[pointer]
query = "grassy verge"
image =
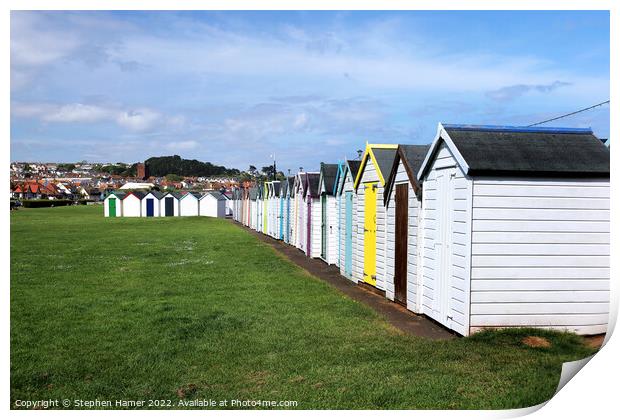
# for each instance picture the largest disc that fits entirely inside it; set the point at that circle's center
(196, 308)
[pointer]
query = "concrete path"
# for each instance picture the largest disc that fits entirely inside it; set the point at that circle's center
(394, 313)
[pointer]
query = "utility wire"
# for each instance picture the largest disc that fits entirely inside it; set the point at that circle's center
(566, 115)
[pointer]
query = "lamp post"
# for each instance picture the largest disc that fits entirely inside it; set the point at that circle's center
(273, 156)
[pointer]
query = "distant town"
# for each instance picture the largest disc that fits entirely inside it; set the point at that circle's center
(87, 183)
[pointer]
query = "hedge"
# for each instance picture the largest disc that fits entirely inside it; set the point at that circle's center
(46, 203)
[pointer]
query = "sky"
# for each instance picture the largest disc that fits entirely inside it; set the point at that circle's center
(235, 88)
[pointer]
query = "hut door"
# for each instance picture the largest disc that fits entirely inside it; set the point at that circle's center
(149, 207)
(288, 220)
(265, 214)
(281, 233)
(400, 254)
(348, 248)
(309, 226)
(442, 272)
(112, 207)
(169, 202)
(370, 233)
(323, 226)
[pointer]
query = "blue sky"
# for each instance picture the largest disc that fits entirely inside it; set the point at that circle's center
(234, 87)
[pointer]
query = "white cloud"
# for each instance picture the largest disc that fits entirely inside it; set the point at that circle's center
(34, 43)
(507, 93)
(139, 119)
(78, 113)
(182, 145)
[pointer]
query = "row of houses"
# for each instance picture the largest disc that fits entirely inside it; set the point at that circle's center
(170, 204)
(486, 227)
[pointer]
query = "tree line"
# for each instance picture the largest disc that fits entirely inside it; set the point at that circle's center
(164, 165)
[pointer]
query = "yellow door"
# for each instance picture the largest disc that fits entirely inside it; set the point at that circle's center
(370, 233)
(265, 190)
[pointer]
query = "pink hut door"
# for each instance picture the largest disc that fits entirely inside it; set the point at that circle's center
(309, 227)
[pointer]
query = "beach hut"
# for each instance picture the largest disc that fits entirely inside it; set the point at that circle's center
(302, 182)
(266, 197)
(277, 191)
(150, 204)
(285, 205)
(113, 204)
(212, 204)
(266, 206)
(274, 220)
(329, 213)
(188, 204)
(273, 216)
(313, 215)
(235, 200)
(403, 204)
(252, 194)
(132, 204)
(369, 261)
(515, 226)
(243, 206)
(347, 216)
(247, 207)
(259, 208)
(294, 211)
(282, 210)
(240, 206)
(339, 202)
(229, 204)
(290, 203)
(169, 204)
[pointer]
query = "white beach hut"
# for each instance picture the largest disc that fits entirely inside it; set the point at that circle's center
(313, 215)
(301, 225)
(329, 213)
(188, 204)
(169, 204)
(132, 204)
(150, 204)
(212, 204)
(348, 217)
(113, 204)
(515, 226)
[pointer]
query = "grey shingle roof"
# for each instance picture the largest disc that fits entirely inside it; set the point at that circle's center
(385, 160)
(139, 194)
(118, 194)
(412, 156)
(313, 183)
(329, 171)
(539, 151)
(194, 193)
(354, 167)
(291, 186)
(218, 195)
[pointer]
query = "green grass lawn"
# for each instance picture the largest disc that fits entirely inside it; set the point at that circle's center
(197, 308)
